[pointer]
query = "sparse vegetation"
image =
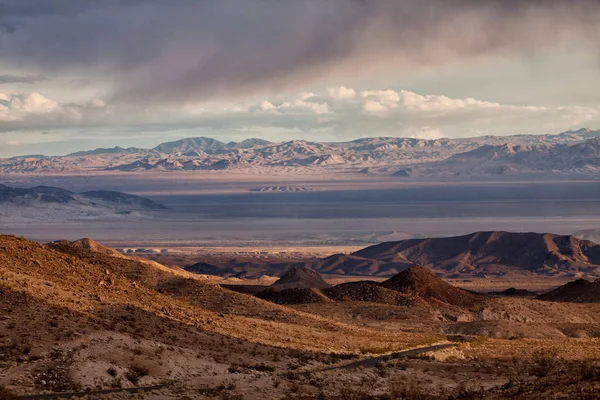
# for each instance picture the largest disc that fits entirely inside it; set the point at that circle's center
(6, 394)
(543, 361)
(288, 346)
(262, 368)
(136, 372)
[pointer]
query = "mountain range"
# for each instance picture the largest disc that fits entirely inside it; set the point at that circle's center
(568, 152)
(47, 202)
(478, 254)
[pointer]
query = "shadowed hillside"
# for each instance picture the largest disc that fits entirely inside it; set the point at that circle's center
(300, 278)
(579, 291)
(493, 253)
(420, 282)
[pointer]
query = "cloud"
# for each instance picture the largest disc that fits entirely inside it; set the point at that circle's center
(4, 79)
(342, 93)
(372, 112)
(158, 51)
(374, 107)
(28, 111)
(17, 107)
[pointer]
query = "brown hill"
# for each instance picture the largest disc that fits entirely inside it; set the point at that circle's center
(485, 253)
(294, 296)
(514, 292)
(420, 282)
(55, 301)
(300, 278)
(579, 291)
(85, 244)
(176, 283)
(416, 286)
(370, 292)
(478, 254)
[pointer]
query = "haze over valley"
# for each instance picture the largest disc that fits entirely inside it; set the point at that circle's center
(305, 200)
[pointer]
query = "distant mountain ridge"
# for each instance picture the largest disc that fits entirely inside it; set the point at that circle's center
(579, 291)
(493, 253)
(397, 157)
(49, 194)
(48, 203)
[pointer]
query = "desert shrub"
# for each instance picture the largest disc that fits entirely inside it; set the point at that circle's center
(382, 369)
(399, 389)
(543, 362)
(262, 368)
(468, 392)
(424, 357)
(6, 394)
(376, 350)
(115, 383)
(112, 372)
(234, 369)
(55, 378)
(590, 372)
(337, 357)
(136, 372)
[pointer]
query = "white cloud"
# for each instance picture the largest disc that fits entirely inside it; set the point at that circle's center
(16, 107)
(34, 111)
(337, 111)
(267, 106)
(374, 107)
(296, 105)
(342, 93)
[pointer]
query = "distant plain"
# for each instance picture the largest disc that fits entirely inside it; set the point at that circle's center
(221, 209)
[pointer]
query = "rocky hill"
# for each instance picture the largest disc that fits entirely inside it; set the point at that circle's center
(493, 253)
(579, 291)
(76, 317)
(422, 283)
(415, 286)
(300, 278)
(136, 316)
(479, 254)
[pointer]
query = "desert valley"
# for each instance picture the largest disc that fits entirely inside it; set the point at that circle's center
(309, 280)
(310, 200)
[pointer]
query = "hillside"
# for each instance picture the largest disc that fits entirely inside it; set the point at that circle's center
(512, 158)
(478, 254)
(415, 287)
(372, 292)
(300, 278)
(77, 316)
(56, 300)
(421, 283)
(579, 291)
(493, 253)
(52, 203)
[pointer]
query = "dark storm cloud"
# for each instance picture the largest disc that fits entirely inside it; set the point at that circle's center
(4, 79)
(177, 50)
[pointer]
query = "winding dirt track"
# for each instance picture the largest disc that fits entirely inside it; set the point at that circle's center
(371, 362)
(368, 363)
(95, 393)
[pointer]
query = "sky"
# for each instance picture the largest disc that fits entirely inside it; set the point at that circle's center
(79, 74)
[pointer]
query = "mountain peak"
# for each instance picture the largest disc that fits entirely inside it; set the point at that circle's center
(423, 283)
(301, 278)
